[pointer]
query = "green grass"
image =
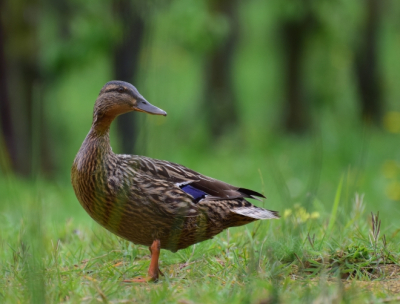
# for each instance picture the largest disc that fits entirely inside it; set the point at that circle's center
(323, 249)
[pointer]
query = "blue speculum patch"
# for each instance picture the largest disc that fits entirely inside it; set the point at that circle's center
(196, 193)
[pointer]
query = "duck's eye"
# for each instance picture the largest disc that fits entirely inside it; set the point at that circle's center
(121, 90)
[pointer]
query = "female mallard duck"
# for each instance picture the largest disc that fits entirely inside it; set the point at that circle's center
(148, 201)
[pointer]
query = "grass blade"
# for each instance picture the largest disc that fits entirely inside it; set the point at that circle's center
(335, 207)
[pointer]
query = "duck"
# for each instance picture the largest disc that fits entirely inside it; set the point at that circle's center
(147, 201)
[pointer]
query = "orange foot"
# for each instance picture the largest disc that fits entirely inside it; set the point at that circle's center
(140, 280)
(154, 270)
(146, 279)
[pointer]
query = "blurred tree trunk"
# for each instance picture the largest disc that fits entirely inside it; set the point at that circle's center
(220, 99)
(21, 99)
(126, 56)
(295, 31)
(8, 151)
(63, 14)
(367, 67)
(295, 115)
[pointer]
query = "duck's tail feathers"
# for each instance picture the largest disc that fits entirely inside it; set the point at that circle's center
(250, 194)
(256, 213)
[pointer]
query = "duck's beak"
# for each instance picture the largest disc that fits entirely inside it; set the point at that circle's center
(142, 105)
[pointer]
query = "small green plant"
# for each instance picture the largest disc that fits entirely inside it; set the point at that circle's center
(375, 231)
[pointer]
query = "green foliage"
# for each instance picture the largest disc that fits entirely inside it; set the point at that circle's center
(72, 32)
(207, 28)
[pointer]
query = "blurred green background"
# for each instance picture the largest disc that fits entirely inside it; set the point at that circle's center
(283, 97)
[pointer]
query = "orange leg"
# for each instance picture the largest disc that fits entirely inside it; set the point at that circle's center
(154, 270)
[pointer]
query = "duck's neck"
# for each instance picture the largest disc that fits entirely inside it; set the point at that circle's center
(96, 146)
(98, 138)
(101, 123)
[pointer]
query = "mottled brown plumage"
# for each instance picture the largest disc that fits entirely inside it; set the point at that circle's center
(143, 199)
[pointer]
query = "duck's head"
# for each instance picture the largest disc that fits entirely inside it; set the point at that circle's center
(119, 97)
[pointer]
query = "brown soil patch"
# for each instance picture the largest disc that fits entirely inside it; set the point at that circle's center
(386, 278)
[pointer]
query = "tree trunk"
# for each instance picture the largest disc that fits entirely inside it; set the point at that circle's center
(22, 120)
(126, 65)
(18, 103)
(295, 119)
(220, 99)
(7, 137)
(367, 67)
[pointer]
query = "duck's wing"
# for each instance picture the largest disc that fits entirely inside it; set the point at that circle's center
(195, 184)
(202, 190)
